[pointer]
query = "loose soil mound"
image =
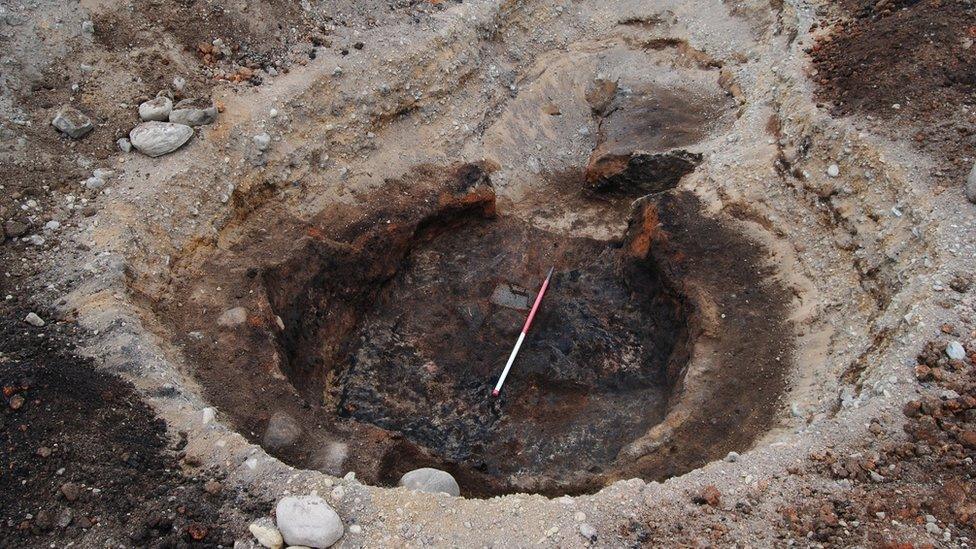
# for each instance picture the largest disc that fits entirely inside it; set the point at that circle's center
(85, 460)
(918, 55)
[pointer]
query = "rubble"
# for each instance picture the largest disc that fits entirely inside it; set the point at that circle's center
(72, 122)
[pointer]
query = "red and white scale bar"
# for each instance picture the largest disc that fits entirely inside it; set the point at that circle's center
(521, 338)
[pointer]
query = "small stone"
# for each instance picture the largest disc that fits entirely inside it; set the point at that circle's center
(64, 518)
(430, 480)
(15, 229)
(511, 296)
(587, 531)
(34, 320)
(600, 93)
(44, 520)
(212, 487)
(88, 27)
(103, 173)
(732, 457)
(157, 109)
(52, 225)
(282, 431)
(70, 491)
(266, 533)
(833, 170)
(72, 122)
(355, 529)
(933, 528)
(709, 495)
(207, 415)
(179, 83)
(43, 452)
(94, 183)
(159, 138)
(197, 531)
(83, 522)
(309, 521)
(232, 317)
(16, 402)
(967, 438)
(961, 282)
(124, 144)
(262, 141)
(194, 112)
(971, 185)
(955, 351)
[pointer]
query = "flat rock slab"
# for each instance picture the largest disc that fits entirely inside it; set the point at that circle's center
(308, 521)
(159, 138)
(512, 296)
(72, 122)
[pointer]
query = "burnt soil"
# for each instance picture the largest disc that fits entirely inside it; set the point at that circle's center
(372, 338)
(591, 376)
(642, 138)
(85, 460)
(919, 55)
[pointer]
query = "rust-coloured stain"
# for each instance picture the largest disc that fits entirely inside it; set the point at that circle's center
(640, 245)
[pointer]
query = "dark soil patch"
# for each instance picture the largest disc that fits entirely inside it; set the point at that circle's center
(375, 332)
(919, 55)
(643, 136)
(84, 460)
(739, 312)
(591, 376)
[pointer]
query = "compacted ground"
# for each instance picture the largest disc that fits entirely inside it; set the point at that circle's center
(760, 330)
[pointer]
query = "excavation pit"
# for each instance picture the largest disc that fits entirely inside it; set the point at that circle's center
(422, 360)
(369, 339)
